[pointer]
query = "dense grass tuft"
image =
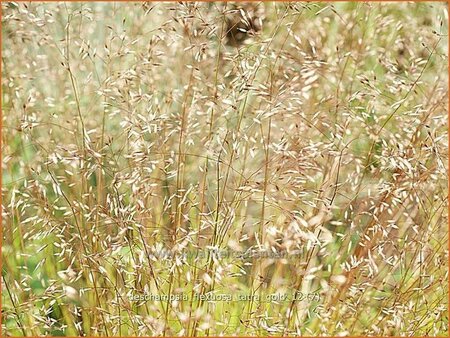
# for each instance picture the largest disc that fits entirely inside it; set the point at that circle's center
(224, 169)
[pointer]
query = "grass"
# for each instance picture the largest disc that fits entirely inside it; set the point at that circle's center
(205, 169)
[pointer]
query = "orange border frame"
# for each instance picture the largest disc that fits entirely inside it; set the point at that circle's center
(1, 129)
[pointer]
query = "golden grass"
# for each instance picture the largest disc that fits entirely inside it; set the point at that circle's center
(204, 169)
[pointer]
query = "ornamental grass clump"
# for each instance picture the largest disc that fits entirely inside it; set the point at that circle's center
(209, 168)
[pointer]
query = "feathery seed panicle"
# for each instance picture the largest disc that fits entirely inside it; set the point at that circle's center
(224, 168)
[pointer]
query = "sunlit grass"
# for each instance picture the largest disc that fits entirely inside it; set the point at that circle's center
(291, 156)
